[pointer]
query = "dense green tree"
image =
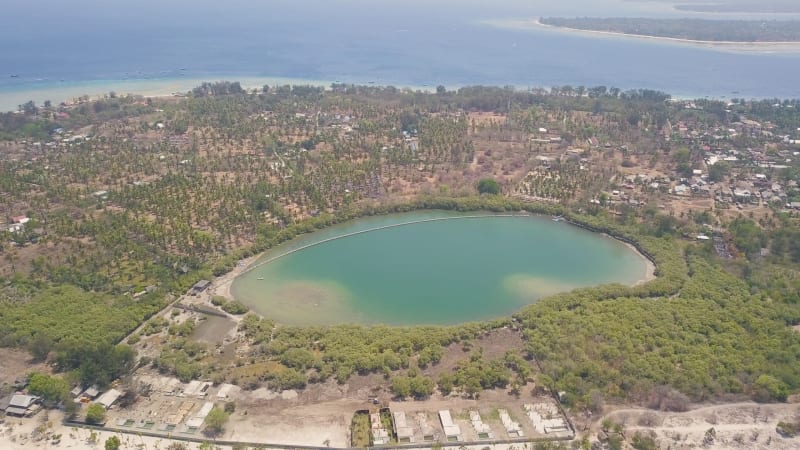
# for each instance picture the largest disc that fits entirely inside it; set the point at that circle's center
(51, 389)
(769, 388)
(112, 443)
(488, 186)
(215, 421)
(95, 414)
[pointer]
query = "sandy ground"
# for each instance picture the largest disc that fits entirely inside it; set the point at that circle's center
(745, 425)
(16, 364)
(39, 433)
(650, 272)
(222, 285)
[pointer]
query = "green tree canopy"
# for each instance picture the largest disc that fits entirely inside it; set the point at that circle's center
(95, 414)
(216, 420)
(112, 443)
(488, 186)
(52, 390)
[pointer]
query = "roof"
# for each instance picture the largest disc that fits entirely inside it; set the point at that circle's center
(450, 429)
(16, 411)
(401, 426)
(203, 412)
(92, 392)
(202, 284)
(194, 422)
(22, 401)
(109, 398)
(5, 402)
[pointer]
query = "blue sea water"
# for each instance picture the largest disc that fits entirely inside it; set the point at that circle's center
(101, 43)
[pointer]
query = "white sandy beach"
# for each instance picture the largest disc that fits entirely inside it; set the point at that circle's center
(71, 91)
(743, 47)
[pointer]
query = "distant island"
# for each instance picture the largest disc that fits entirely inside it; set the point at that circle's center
(740, 6)
(699, 30)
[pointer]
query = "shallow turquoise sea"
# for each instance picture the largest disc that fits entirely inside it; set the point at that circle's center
(57, 50)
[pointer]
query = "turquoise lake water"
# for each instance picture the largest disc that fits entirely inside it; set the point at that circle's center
(433, 272)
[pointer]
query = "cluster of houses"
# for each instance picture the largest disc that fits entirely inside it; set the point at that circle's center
(21, 404)
(17, 224)
(545, 418)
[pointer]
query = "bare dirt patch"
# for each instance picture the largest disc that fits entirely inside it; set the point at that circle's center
(736, 425)
(16, 364)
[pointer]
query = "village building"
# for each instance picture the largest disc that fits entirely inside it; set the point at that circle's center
(199, 287)
(109, 398)
(405, 433)
(21, 405)
(452, 432)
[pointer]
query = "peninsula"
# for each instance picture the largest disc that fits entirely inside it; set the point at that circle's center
(690, 30)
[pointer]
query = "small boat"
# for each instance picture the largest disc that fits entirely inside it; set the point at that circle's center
(14, 76)
(558, 218)
(260, 278)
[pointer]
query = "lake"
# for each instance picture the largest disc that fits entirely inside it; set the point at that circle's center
(430, 267)
(57, 50)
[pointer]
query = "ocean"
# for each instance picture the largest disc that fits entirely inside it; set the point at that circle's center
(52, 49)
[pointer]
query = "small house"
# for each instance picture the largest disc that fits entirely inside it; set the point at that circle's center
(91, 393)
(109, 398)
(23, 405)
(199, 287)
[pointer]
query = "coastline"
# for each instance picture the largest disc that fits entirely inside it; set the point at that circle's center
(69, 92)
(650, 268)
(223, 284)
(753, 47)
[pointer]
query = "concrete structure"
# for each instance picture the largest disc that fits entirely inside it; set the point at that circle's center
(546, 418)
(405, 434)
(483, 430)
(380, 436)
(197, 388)
(198, 419)
(512, 428)
(224, 391)
(452, 432)
(428, 431)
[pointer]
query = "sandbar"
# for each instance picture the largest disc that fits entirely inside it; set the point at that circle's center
(737, 46)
